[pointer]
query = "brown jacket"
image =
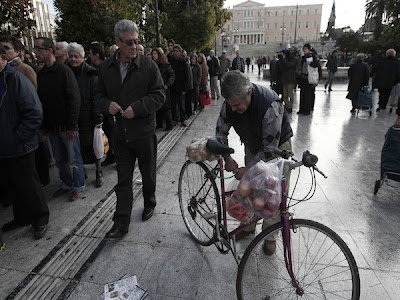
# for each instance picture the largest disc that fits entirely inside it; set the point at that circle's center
(25, 69)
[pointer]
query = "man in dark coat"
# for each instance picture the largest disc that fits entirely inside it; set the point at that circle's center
(213, 69)
(332, 69)
(288, 67)
(358, 78)
(238, 63)
(387, 75)
(130, 87)
(20, 118)
(59, 93)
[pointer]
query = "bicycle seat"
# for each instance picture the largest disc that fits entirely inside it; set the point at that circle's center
(217, 148)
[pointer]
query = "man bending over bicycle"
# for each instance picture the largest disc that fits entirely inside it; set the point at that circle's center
(259, 118)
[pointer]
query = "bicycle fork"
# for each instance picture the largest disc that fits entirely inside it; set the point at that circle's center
(288, 252)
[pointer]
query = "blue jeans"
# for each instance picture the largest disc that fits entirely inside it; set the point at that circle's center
(67, 153)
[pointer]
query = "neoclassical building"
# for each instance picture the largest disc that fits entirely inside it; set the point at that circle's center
(254, 23)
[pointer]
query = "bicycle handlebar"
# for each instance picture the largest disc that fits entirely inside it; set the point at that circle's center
(309, 160)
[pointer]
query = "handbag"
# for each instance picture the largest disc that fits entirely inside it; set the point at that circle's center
(313, 75)
(205, 98)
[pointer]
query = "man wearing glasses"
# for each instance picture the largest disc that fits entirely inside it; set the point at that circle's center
(59, 93)
(130, 87)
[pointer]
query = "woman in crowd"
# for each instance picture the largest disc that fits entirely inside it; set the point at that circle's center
(194, 93)
(168, 75)
(358, 78)
(307, 90)
(89, 116)
(203, 88)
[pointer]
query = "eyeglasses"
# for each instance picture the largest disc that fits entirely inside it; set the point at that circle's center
(39, 48)
(130, 43)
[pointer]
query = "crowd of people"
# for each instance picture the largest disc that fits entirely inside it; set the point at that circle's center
(53, 100)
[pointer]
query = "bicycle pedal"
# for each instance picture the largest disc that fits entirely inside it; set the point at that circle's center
(208, 216)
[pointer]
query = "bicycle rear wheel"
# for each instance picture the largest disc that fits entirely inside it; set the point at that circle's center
(322, 263)
(199, 201)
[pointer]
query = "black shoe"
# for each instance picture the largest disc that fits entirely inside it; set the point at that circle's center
(353, 111)
(99, 178)
(306, 113)
(300, 112)
(12, 225)
(60, 192)
(168, 128)
(110, 159)
(116, 233)
(159, 126)
(39, 232)
(330, 90)
(147, 213)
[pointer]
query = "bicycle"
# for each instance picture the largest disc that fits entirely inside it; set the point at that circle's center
(311, 261)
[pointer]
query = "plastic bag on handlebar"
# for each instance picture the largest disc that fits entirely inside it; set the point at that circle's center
(262, 187)
(197, 151)
(238, 207)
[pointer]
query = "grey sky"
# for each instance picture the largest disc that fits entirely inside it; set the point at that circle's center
(348, 12)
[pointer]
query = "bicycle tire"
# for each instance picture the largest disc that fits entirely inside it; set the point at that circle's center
(252, 280)
(191, 179)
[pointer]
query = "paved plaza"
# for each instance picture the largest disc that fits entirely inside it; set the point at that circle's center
(160, 251)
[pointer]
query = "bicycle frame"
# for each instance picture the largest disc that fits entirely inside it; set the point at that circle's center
(285, 219)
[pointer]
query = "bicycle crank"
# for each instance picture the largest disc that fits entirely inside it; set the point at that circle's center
(221, 239)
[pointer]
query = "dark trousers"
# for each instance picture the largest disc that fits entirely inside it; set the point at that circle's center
(20, 176)
(108, 125)
(164, 114)
(306, 97)
(192, 96)
(145, 151)
(178, 106)
(42, 164)
(383, 97)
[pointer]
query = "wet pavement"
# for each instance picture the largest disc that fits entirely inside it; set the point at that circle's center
(171, 266)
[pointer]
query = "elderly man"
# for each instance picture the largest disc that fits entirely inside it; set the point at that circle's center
(140, 49)
(258, 117)
(61, 52)
(20, 118)
(59, 92)
(113, 49)
(238, 62)
(130, 87)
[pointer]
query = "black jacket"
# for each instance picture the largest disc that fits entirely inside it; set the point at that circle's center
(196, 72)
(358, 77)
(331, 65)
(89, 114)
(142, 89)
(387, 73)
(288, 70)
(59, 93)
(20, 114)
(168, 77)
(182, 81)
(235, 63)
(213, 66)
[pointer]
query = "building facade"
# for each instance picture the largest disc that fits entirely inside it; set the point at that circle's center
(253, 23)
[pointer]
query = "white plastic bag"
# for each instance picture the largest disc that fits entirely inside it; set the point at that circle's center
(98, 142)
(197, 151)
(313, 76)
(258, 193)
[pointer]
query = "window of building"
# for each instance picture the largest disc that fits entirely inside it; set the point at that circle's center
(314, 38)
(229, 27)
(267, 26)
(268, 13)
(276, 25)
(315, 24)
(259, 14)
(305, 38)
(308, 11)
(275, 39)
(292, 12)
(316, 11)
(267, 39)
(298, 24)
(238, 13)
(299, 11)
(290, 38)
(307, 24)
(291, 24)
(276, 13)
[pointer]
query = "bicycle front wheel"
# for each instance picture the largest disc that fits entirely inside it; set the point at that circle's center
(199, 201)
(322, 263)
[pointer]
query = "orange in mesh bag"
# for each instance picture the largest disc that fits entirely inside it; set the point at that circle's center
(259, 192)
(197, 151)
